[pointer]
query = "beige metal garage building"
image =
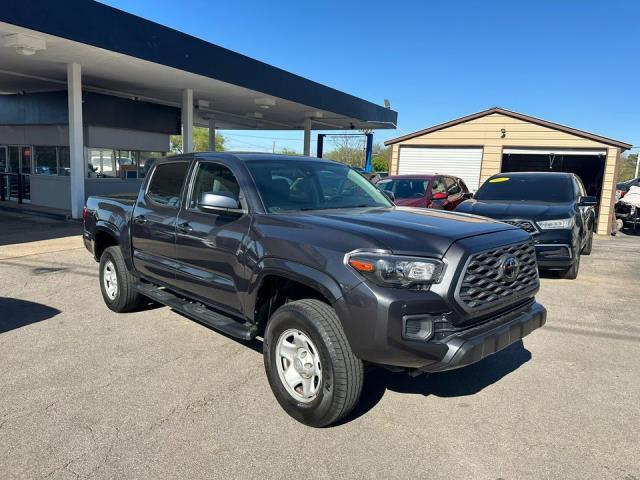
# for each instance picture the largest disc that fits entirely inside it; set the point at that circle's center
(498, 140)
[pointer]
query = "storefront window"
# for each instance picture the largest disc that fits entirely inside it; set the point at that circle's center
(101, 163)
(146, 161)
(64, 162)
(123, 164)
(45, 161)
(128, 164)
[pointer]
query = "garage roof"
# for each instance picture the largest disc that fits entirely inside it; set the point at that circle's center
(124, 54)
(519, 116)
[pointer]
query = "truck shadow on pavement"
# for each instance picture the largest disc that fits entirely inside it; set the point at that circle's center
(16, 313)
(455, 383)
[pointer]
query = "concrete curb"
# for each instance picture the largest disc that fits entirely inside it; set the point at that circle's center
(36, 212)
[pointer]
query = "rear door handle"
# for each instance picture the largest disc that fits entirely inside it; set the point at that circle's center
(184, 228)
(140, 220)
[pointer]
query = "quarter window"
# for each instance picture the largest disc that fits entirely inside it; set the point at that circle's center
(166, 184)
(452, 186)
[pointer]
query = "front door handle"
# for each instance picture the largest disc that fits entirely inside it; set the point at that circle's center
(140, 220)
(184, 228)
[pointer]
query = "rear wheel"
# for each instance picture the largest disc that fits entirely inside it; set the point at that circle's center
(571, 273)
(116, 283)
(312, 371)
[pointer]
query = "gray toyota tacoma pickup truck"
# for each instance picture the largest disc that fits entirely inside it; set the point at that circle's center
(308, 255)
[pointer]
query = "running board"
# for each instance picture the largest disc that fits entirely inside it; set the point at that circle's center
(197, 311)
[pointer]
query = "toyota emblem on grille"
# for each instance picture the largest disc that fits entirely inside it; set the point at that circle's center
(508, 268)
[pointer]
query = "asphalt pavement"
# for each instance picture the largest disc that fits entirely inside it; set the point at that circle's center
(87, 393)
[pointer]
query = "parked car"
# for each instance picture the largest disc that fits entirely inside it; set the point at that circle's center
(552, 207)
(329, 273)
(627, 209)
(443, 192)
(623, 187)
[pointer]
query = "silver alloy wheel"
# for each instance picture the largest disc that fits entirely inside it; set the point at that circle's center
(110, 280)
(299, 366)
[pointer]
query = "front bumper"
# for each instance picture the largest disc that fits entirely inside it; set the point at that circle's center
(554, 256)
(556, 248)
(477, 343)
(375, 329)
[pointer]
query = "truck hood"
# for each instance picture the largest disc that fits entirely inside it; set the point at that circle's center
(516, 210)
(404, 230)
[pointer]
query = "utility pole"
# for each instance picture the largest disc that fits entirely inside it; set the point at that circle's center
(637, 164)
(274, 147)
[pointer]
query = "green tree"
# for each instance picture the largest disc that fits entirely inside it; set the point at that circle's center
(381, 158)
(288, 151)
(627, 167)
(348, 155)
(200, 141)
(347, 149)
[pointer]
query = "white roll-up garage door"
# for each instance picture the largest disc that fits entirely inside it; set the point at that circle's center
(459, 162)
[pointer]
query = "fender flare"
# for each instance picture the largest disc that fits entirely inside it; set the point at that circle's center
(112, 230)
(108, 227)
(316, 279)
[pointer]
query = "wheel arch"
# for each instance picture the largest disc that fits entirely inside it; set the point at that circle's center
(277, 277)
(105, 236)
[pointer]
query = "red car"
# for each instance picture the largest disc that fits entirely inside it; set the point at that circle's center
(443, 192)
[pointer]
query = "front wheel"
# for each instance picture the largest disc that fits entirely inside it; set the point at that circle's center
(571, 273)
(311, 369)
(589, 245)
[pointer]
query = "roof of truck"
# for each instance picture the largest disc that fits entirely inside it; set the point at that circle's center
(244, 156)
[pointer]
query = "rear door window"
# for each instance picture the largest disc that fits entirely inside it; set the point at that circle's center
(166, 184)
(404, 187)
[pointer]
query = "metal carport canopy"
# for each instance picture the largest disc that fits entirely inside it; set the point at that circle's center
(126, 55)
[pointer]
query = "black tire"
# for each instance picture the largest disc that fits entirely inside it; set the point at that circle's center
(342, 371)
(571, 273)
(589, 245)
(126, 297)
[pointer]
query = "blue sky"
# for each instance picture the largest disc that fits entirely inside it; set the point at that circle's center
(575, 62)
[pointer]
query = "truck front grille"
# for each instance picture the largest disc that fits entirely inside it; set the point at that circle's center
(525, 225)
(484, 283)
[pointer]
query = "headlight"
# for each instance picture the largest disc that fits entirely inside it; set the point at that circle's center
(395, 271)
(556, 224)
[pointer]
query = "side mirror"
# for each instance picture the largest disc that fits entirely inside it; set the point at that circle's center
(588, 201)
(467, 195)
(440, 196)
(214, 201)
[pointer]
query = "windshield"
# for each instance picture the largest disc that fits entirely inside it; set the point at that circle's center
(286, 185)
(404, 187)
(534, 188)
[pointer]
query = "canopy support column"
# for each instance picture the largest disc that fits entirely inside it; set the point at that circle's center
(76, 138)
(307, 137)
(187, 120)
